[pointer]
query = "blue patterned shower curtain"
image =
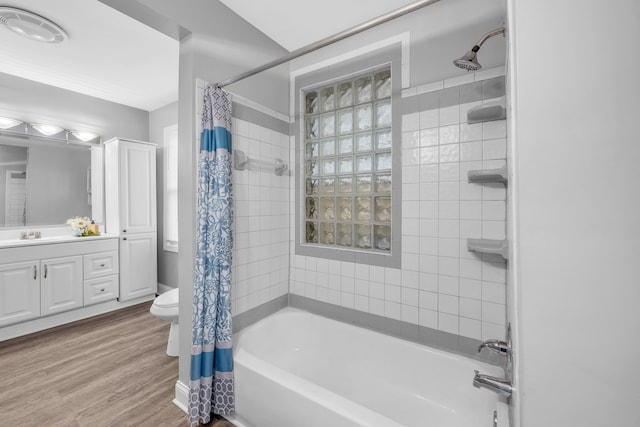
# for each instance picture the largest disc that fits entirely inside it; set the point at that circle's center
(211, 376)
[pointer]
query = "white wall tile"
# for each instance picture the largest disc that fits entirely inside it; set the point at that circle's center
(447, 247)
(449, 115)
(429, 119)
(410, 314)
(470, 328)
(494, 149)
(448, 304)
(392, 293)
(428, 318)
(493, 313)
(448, 285)
(428, 300)
(410, 122)
(429, 173)
(376, 306)
(429, 137)
(392, 310)
(409, 297)
(470, 308)
(494, 292)
(448, 323)
(495, 129)
(440, 284)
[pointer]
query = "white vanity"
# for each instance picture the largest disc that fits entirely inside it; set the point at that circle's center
(60, 278)
(56, 275)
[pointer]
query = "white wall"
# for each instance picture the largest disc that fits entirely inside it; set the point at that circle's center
(35, 102)
(158, 120)
(575, 157)
(440, 284)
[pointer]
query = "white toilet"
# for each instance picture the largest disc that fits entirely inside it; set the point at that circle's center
(165, 307)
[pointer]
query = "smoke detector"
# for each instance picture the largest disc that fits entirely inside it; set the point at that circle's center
(31, 26)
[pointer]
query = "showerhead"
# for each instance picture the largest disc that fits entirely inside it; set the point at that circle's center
(469, 61)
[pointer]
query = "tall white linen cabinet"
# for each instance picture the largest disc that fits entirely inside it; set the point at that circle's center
(130, 213)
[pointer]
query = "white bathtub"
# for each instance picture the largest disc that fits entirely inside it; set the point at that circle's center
(296, 369)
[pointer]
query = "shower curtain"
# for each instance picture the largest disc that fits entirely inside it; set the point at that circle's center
(211, 375)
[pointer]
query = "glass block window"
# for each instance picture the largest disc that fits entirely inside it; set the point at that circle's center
(347, 163)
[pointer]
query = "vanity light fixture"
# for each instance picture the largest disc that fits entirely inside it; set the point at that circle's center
(11, 127)
(7, 123)
(31, 26)
(47, 130)
(83, 136)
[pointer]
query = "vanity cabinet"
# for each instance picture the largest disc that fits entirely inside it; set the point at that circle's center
(100, 277)
(130, 197)
(60, 285)
(138, 268)
(19, 292)
(34, 283)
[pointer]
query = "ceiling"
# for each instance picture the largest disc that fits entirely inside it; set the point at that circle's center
(108, 55)
(112, 56)
(309, 21)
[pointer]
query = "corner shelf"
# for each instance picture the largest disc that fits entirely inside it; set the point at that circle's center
(488, 175)
(489, 246)
(486, 113)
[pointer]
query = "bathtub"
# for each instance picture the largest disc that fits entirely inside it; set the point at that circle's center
(296, 369)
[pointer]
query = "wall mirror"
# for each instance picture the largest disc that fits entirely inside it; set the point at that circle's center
(45, 182)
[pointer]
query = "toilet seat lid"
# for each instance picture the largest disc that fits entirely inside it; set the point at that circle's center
(168, 299)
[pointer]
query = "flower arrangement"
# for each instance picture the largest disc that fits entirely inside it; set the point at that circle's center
(80, 226)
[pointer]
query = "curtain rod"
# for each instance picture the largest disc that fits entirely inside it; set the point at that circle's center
(330, 40)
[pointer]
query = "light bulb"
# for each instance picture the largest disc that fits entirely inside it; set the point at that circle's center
(47, 130)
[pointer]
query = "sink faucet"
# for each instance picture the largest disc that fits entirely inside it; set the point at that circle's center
(499, 385)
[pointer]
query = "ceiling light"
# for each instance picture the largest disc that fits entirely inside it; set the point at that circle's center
(31, 26)
(84, 136)
(47, 130)
(7, 123)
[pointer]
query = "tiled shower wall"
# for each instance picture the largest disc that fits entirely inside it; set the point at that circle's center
(260, 271)
(441, 285)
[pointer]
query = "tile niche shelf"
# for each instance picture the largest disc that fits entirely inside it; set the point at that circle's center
(486, 113)
(488, 175)
(489, 246)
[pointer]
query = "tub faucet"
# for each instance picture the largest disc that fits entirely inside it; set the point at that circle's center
(499, 385)
(500, 347)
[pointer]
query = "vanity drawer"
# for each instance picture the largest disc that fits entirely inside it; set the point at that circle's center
(100, 289)
(100, 264)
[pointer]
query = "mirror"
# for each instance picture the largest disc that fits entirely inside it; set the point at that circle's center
(44, 182)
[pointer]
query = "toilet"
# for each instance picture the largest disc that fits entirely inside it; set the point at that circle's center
(165, 307)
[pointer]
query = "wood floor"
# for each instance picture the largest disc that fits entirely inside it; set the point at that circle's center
(110, 370)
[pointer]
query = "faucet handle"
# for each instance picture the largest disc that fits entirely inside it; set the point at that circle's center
(497, 346)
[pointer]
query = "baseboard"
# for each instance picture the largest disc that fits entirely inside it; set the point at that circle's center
(181, 399)
(162, 288)
(47, 322)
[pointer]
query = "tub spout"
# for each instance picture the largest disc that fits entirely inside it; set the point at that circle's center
(499, 385)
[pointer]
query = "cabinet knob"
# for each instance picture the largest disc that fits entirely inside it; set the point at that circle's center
(101, 265)
(35, 272)
(102, 290)
(124, 231)
(124, 238)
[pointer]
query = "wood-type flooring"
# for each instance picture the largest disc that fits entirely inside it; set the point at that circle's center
(109, 370)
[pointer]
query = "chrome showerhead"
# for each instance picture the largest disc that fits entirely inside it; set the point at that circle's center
(469, 61)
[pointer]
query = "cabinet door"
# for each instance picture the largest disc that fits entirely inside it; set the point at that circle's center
(19, 292)
(138, 266)
(137, 187)
(61, 284)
